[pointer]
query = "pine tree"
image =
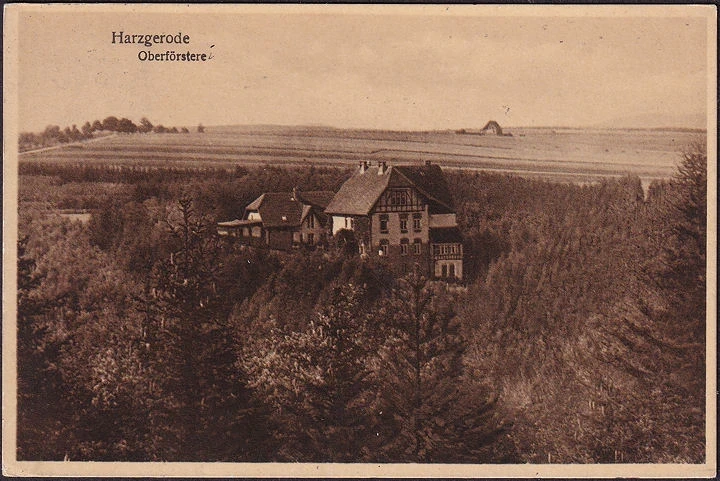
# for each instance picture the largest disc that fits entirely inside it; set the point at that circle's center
(426, 409)
(204, 411)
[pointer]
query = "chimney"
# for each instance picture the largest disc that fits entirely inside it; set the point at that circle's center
(363, 166)
(382, 167)
(295, 196)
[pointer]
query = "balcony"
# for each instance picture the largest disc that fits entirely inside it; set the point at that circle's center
(447, 251)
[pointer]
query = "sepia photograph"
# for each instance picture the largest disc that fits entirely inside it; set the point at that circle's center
(359, 240)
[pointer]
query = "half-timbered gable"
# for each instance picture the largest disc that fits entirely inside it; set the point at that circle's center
(394, 210)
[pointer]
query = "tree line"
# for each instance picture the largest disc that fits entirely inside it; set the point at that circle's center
(54, 135)
(143, 336)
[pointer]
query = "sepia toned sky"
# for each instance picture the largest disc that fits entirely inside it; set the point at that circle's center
(429, 71)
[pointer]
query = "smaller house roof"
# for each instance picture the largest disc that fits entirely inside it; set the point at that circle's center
(255, 205)
(283, 209)
(316, 198)
(239, 223)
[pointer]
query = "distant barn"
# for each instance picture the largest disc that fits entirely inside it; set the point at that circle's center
(492, 128)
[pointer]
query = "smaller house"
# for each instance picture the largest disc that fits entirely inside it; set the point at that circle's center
(282, 220)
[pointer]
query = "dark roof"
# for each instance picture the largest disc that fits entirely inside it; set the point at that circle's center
(359, 193)
(281, 209)
(316, 198)
(445, 235)
(430, 181)
(492, 125)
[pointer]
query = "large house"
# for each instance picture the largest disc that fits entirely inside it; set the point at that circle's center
(282, 220)
(404, 214)
(401, 214)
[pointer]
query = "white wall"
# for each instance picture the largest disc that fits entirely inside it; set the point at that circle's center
(443, 220)
(340, 222)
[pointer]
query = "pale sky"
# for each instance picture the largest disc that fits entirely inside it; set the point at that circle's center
(374, 71)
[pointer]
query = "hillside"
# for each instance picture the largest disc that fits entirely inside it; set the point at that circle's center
(574, 154)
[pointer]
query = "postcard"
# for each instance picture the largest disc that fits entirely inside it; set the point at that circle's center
(395, 241)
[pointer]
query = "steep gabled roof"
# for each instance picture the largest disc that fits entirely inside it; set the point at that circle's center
(430, 181)
(359, 193)
(255, 205)
(282, 209)
(277, 209)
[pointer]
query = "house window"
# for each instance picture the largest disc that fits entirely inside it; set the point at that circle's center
(311, 238)
(383, 223)
(444, 270)
(246, 232)
(403, 223)
(383, 249)
(446, 249)
(452, 271)
(417, 226)
(404, 244)
(311, 221)
(417, 246)
(399, 197)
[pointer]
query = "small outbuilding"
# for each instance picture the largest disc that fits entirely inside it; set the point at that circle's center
(492, 128)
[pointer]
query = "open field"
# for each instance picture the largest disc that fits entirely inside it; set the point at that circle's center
(563, 153)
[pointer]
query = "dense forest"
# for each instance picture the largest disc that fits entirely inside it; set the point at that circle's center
(578, 337)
